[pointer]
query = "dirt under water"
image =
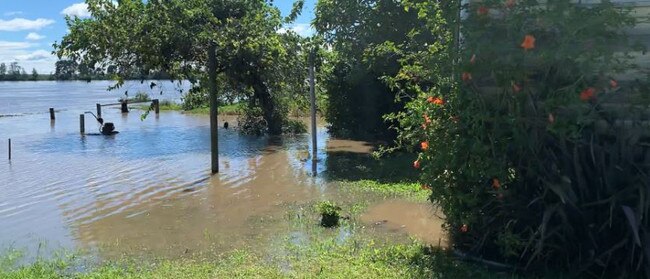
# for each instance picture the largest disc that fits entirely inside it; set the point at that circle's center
(148, 190)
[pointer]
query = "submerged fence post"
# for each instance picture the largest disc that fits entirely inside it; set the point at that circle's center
(214, 109)
(9, 149)
(156, 106)
(99, 110)
(312, 93)
(52, 116)
(82, 124)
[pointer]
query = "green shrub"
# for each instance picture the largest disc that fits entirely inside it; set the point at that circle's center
(330, 213)
(521, 152)
(294, 127)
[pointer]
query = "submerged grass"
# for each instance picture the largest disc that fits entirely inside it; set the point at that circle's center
(327, 258)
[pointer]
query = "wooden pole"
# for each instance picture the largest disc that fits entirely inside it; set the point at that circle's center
(9, 149)
(99, 110)
(52, 116)
(156, 106)
(124, 107)
(214, 124)
(312, 93)
(82, 124)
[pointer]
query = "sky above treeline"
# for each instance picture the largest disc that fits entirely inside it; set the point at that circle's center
(28, 28)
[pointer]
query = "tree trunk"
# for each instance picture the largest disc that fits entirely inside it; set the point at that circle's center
(270, 111)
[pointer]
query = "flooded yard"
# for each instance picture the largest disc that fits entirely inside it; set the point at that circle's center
(147, 190)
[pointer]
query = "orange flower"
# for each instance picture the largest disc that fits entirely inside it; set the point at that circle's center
(473, 59)
(467, 76)
(496, 184)
(551, 118)
(416, 164)
(588, 94)
(482, 10)
(516, 88)
(529, 42)
(435, 101)
(424, 145)
(464, 228)
(613, 83)
(511, 3)
(427, 120)
(425, 187)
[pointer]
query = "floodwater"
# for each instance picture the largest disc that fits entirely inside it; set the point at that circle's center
(148, 188)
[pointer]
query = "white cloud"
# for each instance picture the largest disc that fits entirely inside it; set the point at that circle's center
(13, 13)
(78, 10)
(302, 29)
(21, 52)
(34, 36)
(35, 56)
(8, 46)
(20, 24)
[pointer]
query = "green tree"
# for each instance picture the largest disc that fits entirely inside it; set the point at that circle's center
(175, 36)
(34, 74)
(366, 37)
(14, 71)
(65, 70)
(3, 71)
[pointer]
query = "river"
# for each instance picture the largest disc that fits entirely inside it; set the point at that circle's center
(148, 188)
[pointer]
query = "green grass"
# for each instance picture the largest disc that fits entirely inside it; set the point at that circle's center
(169, 106)
(328, 258)
(406, 190)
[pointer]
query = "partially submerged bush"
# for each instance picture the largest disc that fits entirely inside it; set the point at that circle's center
(524, 153)
(330, 213)
(294, 127)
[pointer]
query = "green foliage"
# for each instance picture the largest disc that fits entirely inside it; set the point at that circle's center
(255, 63)
(328, 208)
(294, 127)
(357, 30)
(520, 145)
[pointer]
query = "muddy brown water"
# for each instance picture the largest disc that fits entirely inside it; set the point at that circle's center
(148, 189)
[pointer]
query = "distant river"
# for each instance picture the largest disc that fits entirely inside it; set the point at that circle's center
(27, 97)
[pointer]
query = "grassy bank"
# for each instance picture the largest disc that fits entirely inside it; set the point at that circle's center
(169, 106)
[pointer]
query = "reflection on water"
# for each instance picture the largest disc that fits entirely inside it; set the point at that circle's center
(148, 189)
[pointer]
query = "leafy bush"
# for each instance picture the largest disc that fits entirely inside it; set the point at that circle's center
(294, 127)
(522, 149)
(330, 213)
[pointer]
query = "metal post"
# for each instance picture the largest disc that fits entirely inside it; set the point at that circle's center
(82, 124)
(99, 110)
(156, 106)
(9, 149)
(214, 124)
(52, 116)
(312, 92)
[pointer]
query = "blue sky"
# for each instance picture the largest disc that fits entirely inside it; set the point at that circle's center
(28, 28)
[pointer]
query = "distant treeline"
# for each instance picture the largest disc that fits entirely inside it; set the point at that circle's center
(66, 70)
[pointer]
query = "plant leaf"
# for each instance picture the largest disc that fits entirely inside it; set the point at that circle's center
(631, 218)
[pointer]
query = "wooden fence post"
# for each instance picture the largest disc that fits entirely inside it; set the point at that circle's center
(52, 116)
(9, 149)
(82, 124)
(124, 106)
(99, 110)
(156, 106)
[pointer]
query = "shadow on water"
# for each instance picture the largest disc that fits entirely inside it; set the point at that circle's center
(352, 166)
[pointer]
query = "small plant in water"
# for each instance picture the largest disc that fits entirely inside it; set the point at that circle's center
(330, 213)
